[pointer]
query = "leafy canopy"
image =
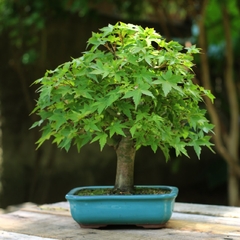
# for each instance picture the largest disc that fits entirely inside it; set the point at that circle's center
(130, 80)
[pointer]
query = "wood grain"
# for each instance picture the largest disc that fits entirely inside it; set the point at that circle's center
(188, 222)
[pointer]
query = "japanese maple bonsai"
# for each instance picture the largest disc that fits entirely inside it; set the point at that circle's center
(130, 89)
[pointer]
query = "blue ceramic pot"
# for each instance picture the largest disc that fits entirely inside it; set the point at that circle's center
(150, 211)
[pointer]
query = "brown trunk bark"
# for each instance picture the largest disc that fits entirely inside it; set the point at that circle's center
(125, 165)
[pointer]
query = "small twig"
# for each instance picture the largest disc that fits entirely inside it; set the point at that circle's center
(111, 50)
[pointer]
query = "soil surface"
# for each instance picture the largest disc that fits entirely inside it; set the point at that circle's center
(111, 191)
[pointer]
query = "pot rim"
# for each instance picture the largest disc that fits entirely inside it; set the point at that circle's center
(173, 194)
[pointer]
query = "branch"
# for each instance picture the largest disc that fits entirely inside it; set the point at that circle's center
(223, 151)
(233, 142)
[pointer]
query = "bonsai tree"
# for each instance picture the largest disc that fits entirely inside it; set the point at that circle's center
(130, 89)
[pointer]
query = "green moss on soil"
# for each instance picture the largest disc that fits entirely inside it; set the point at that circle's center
(109, 191)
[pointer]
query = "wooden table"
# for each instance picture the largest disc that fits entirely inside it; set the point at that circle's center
(188, 222)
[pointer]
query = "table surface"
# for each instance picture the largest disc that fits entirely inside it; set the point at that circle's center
(188, 222)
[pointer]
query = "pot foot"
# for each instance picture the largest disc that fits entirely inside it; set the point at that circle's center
(92, 225)
(149, 226)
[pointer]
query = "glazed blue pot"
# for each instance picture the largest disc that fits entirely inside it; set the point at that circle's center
(149, 211)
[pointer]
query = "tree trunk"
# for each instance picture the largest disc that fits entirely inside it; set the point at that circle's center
(125, 165)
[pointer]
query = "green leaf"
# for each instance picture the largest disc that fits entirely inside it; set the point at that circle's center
(116, 128)
(148, 60)
(192, 49)
(160, 60)
(209, 95)
(154, 147)
(179, 146)
(185, 133)
(132, 59)
(197, 149)
(136, 50)
(58, 139)
(107, 30)
(208, 128)
(135, 95)
(82, 140)
(66, 143)
(112, 98)
(125, 108)
(165, 151)
(102, 138)
(133, 129)
(58, 119)
(175, 78)
(38, 123)
(148, 93)
(167, 75)
(166, 86)
(46, 93)
(90, 126)
(96, 41)
(101, 104)
(98, 72)
(82, 92)
(46, 134)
